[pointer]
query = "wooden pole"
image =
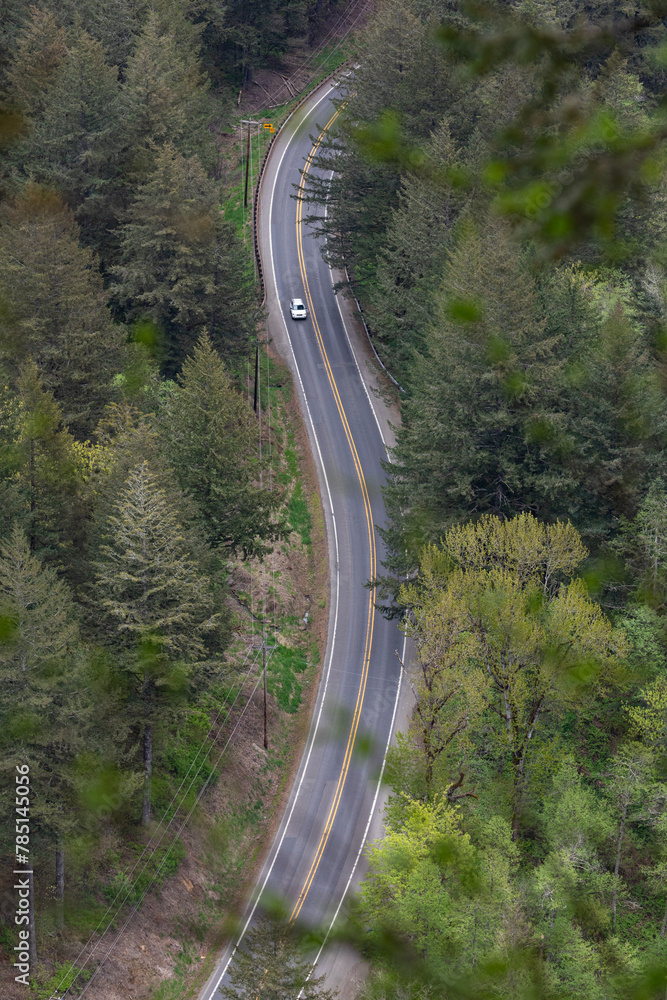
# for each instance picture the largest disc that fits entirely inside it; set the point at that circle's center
(254, 405)
(247, 167)
(266, 737)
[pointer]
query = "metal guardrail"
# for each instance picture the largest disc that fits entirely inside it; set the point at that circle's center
(279, 126)
(370, 339)
(255, 210)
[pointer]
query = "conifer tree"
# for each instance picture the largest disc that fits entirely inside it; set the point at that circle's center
(40, 50)
(211, 447)
(40, 696)
(157, 603)
(644, 545)
(55, 308)
(181, 264)
(404, 69)
(614, 415)
(403, 90)
(270, 963)
(152, 588)
(115, 24)
(416, 250)
(69, 145)
(54, 498)
(484, 374)
(165, 100)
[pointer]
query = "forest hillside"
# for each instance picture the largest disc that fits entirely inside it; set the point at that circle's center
(495, 186)
(159, 517)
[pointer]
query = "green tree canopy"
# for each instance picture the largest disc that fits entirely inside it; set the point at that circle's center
(40, 49)
(164, 100)
(55, 308)
(44, 710)
(271, 962)
(535, 642)
(427, 883)
(69, 140)
(210, 444)
(149, 586)
(181, 264)
(159, 606)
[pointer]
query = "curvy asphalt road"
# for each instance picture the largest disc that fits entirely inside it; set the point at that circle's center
(313, 858)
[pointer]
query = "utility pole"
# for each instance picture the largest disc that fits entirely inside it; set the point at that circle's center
(254, 405)
(266, 736)
(247, 167)
(264, 648)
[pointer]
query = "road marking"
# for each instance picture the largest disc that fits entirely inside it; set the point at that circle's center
(354, 356)
(335, 536)
(371, 538)
(334, 631)
(368, 821)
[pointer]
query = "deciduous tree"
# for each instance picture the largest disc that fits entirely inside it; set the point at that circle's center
(540, 642)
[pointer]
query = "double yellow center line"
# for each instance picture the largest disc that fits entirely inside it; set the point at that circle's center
(371, 538)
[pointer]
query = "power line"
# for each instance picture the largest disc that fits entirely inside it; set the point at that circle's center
(182, 827)
(154, 848)
(320, 48)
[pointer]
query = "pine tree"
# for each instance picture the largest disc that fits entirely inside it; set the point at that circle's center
(413, 260)
(40, 694)
(403, 89)
(40, 51)
(156, 602)
(181, 263)
(54, 497)
(152, 588)
(404, 69)
(483, 378)
(270, 963)
(115, 24)
(164, 100)
(69, 144)
(55, 308)
(211, 447)
(644, 546)
(615, 415)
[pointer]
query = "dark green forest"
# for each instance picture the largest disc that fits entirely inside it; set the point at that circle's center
(498, 201)
(497, 198)
(131, 479)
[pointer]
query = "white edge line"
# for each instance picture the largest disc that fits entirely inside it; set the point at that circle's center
(361, 378)
(333, 518)
(370, 817)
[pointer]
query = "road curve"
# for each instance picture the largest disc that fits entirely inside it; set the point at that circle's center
(335, 795)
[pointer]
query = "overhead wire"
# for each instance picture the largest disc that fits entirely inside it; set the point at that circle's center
(182, 827)
(273, 548)
(153, 848)
(322, 45)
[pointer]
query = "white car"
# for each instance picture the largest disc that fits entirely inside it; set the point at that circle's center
(297, 309)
